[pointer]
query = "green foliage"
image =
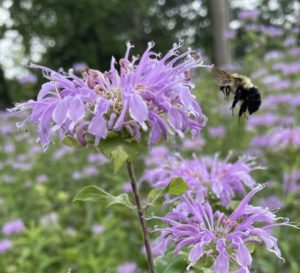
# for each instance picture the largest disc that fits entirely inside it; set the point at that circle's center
(177, 186)
(71, 142)
(97, 195)
(156, 197)
(120, 149)
(169, 263)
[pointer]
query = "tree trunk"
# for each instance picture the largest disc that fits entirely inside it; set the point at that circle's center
(4, 92)
(220, 22)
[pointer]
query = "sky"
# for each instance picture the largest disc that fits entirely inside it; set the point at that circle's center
(12, 57)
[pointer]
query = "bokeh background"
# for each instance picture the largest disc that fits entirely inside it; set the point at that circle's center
(42, 230)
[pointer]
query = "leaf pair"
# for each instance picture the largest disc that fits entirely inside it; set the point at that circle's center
(177, 186)
(100, 196)
(116, 147)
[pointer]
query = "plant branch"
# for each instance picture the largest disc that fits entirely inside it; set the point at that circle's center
(141, 215)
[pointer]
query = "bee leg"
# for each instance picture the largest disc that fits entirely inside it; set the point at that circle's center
(227, 92)
(235, 100)
(243, 108)
(222, 89)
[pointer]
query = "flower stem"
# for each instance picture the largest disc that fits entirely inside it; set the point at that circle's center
(141, 215)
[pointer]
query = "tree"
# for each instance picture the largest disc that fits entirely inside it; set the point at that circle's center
(220, 24)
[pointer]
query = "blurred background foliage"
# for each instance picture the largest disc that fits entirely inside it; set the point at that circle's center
(38, 187)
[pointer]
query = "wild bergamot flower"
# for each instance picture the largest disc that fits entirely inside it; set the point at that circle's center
(205, 175)
(224, 239)
(152, 92)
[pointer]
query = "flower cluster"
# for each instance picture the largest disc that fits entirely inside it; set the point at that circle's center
(150, 92)
(279, 139)
(5, 245)
(15, 226)
(28, 79)
(197, 228)
(248, 14)
(128, 267)
(204, 175)
(291, 182)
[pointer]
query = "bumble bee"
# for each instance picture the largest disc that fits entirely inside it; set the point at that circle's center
(242, 88)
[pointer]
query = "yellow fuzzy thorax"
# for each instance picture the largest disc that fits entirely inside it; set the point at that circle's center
(246, 82)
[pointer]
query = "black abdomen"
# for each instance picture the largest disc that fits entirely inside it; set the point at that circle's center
(253, 100)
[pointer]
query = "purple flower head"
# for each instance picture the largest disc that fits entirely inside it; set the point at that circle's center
(230, 34)
(80, 66)
(272, 202)
(193, 144)
(128, 267)
(291, 68)
(248, 14)
(97, 158)
(127, 187)
(197, 229)
(90, 171)
(62, 151)
(260, 141)
(12, 227)
(158, 154)
(273, 55)
(295, 51)
(251, 27)
(279, 139)
(267, 119)
(97, 229)
(6, 128)
(290, 42)
(41, 179)
(9, 148)
(272, 31)
(283, 84)
(151, 93)
(296, 29)
(291, 181)
(205, 175)
(272, 102)
(76, 175)
(28, 79)
(5, 245)
(217, 131)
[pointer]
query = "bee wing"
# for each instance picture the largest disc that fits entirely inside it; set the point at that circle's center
(222, 78)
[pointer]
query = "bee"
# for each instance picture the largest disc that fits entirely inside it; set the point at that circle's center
(242, 88)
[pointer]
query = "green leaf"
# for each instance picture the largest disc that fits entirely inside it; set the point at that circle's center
(206, 270)
(120, 150)
(233, 204)
(177, 186)
(71, 142)
(251, 247)
(156, 197)
(122, 199)
(100, 196)
(119, 157)
(169, 263)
